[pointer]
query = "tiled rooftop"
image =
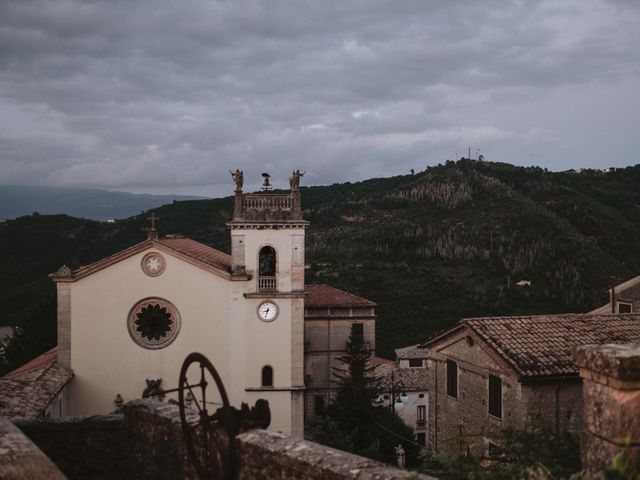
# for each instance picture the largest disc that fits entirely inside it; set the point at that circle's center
(198, 251)
(544, 345)
(412, 351)
(326, 296)
(27, 391)
(413, 379)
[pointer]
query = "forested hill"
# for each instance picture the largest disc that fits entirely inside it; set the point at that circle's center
(450, 242)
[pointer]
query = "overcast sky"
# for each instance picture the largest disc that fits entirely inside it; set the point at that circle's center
(167, 96)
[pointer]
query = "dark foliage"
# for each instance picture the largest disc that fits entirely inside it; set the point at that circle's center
(36, 335)
(529, 453)
(353, 424)
(431, 248)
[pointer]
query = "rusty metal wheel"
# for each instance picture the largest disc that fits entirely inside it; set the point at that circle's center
(210, 441)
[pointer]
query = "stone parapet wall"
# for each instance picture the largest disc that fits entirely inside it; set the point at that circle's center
(265, 455)
(146, 443)
(20, 458)
(611, 394)
(94, 447)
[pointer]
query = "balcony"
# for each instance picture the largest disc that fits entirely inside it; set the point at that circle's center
(267, 283)
(421, 423)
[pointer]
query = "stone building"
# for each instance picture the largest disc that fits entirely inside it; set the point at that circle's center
(405, 383)
(623, 298)
(500, 372)
(134, 316)
(330, 315)
(36, 389)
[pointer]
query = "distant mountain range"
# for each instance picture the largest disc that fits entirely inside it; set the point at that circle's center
(461, 239)
(16, 200)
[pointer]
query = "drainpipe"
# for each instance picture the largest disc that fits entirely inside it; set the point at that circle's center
(613, 293)
(557, 398)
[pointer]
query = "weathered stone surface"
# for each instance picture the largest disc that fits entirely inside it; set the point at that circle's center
(83, 447)
(146, 443)
(619, 362)
(263, 454)
(20, 459)
(611, 392)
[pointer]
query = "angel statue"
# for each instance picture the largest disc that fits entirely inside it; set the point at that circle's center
(294, 179)
(238, 178)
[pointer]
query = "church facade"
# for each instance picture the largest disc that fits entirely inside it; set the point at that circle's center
(137, 314)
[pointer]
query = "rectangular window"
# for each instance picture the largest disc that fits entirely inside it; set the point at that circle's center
(415, 362)
(624, 307)
(421, 416)
(421, 438)
(452, 379)
(495, 396)
(357, 330)
(319, 405)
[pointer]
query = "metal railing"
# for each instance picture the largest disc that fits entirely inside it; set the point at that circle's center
(267, 283)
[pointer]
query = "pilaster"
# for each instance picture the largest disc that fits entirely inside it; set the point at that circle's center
(64, 323)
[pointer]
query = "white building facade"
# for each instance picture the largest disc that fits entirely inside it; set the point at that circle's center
(137, 314)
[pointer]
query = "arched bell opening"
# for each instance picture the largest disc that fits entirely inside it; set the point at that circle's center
(267, 269)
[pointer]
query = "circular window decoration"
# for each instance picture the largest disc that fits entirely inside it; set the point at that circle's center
(153, 323)
(153, 264)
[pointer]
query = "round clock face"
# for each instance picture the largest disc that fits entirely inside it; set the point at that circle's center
(267, 311)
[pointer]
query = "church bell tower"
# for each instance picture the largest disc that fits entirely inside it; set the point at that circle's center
(268, 249)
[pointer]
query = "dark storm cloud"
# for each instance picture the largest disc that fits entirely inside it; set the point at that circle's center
(151, 94)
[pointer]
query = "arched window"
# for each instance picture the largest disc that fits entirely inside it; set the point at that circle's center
(267, 269)
(267, 376)
(267, 262)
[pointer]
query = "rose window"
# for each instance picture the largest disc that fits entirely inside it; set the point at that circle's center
(154, 323)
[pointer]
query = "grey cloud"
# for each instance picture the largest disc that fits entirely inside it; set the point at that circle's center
(154, 94)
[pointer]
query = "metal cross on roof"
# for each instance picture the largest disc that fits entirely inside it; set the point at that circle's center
(152, 232)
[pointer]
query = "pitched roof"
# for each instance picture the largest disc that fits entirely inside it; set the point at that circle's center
(606, 308)
(327, 296)
(27, 391)
(198, 251)
(413, 379)
(412, 351)
(544, 345)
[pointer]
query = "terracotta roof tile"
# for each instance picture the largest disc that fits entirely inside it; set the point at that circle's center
(327, 296)
(413, 379)
(544, 345)
(198, 251)
(412, 351)
(37, 363)
(27, 391)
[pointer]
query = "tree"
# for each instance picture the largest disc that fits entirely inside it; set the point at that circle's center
(34, 336)
(352, 422)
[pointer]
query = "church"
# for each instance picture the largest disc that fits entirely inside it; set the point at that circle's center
(135, 315)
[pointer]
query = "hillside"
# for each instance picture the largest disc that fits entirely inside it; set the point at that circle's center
(430, 248)
(16, 200)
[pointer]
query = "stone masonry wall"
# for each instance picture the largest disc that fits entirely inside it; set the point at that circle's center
(611, 390)
(146, 443)
(555, 404)
(83, 447)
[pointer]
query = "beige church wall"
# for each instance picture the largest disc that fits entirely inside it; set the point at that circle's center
(104, 357)
(280, 404)
(264, 343)
(269, 344)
